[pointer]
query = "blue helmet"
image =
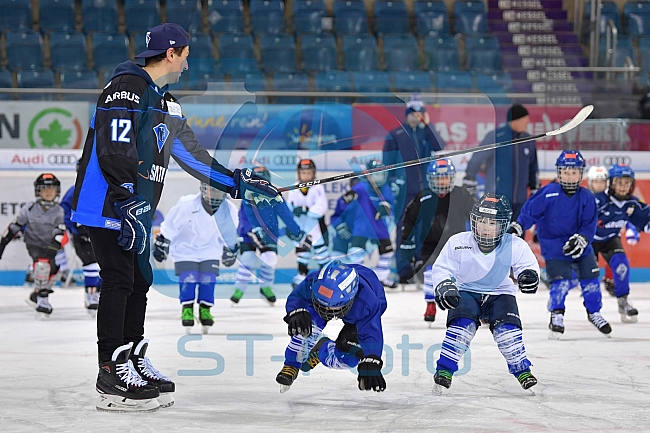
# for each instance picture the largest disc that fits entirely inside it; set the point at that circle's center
(381, 177)
(494, 210)
(620, 171)
(334, 291)
(569, 159)
(441, 169)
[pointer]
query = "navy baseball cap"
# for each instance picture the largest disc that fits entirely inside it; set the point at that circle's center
(163, 37)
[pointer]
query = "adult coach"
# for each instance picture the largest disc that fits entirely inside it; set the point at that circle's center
(509, 170)
(136, 127)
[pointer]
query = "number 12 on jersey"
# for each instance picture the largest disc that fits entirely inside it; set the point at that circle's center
(120, 129)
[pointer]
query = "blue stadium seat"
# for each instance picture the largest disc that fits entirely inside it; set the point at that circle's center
(201, 58)
(36, 79)
(608, 11)
(360, 53)
(391, 17)
(487, 60)
(481, 42)
(461, 6)
(318, 53)
(417, 81)
(432, 18)
(25, 50)
(267, 16)
(638, 23)
(350, 17)
(56, 15)
(442, 53)
(236, 54)
(307, 16)
(471, 23)
(109, 50)
(454, 81)
(187, 14)
(68, 51)
(141, 15)
(492, 87)
(333, 81)
(291, 83)
(401, 53)
(198, 80)
(226, 16)
(253, 81)
(372, 82)
(624, 50)
(644, 54)
(79, 80)
(15, 15)
(99, 16)
(6, 82)
(635, 7)
(278, 53)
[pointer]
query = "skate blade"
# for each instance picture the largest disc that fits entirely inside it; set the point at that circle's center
(554, 335)
(188, 330)
(165, 400)
(284, 388)
(205, 329)
(42, 316)
(91, 313)
(114, 403)
(629, 319)
(430, 325)
(438, 389)
(30, 303)
(530, 390)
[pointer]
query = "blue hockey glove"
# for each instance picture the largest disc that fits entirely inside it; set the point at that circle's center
(383, 209)
(447, 295)
(259, 237)
(528, 281)
(135, 223)
(344, 231)
(632, 236)
(516, 229)
(575, 246)
(160, 248)
(253, 187)
(299, 321)
(370, 377)
(229, 257)
(396, 187)
(300, 211)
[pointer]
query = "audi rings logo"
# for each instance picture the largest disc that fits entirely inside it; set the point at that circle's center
(610, 160)
(62, 159)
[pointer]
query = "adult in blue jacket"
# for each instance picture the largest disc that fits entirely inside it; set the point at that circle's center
(509, 170)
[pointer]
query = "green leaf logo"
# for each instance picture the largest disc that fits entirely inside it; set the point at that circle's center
(55, 135)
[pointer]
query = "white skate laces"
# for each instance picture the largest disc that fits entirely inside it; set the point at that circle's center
(150, 371)
(128, 374)
(597, 320)
(557, 319)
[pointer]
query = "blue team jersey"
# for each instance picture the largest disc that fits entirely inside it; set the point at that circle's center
(615, 214)
(558, 217)
(66, 204)
(366, 311)
(267, 218)
(368, 202)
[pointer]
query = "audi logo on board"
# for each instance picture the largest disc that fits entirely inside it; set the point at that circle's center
(610, 160)
(61, 159)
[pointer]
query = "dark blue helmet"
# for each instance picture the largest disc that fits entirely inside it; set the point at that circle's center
(381, 177)
(569, 159)
(619, 171)
(334, 291)
(437, 171)
(491, 210)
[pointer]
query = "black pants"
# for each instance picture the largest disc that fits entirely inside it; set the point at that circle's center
(48, 253)
(126, 278)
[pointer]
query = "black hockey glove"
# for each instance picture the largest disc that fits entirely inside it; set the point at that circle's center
(300, 211)
(160, 248)
(344, 231)
(135, 224)
(229, 257)
(299, 322)
(447, 295)
(383, 209)
(259, 237)
(370, 377)
(304, 245)
(349, 197)
(516, 229)
(253, 187)
(575, 246)
(470, 185)
(9, 235)
(528, 281)
(57, 234)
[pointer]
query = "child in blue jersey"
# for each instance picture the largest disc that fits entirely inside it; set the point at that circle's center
(343, 220)
(258, 230)
(565, 214)
(617, 208)
(351, 293)
(372, 214)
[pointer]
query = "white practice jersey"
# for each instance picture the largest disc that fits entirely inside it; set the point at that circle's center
(316, 201)
(475, 271)
(194, 234)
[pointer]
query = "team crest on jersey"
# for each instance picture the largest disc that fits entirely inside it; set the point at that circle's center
(630, 210)
(162, 132)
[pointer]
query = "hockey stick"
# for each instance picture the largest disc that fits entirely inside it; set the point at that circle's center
(577, 120)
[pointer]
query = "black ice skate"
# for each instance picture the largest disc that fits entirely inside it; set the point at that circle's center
(149, 373)
(285, 377)
(187, 317)
(442, 379)
(556, 325)
(206, 318)
(599, 322)
(268, 295)
(628, 313)
(43, 307)
(609, 285)
(121, 388)
(527, 380)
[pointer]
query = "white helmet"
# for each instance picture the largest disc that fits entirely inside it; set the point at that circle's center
(596, 172)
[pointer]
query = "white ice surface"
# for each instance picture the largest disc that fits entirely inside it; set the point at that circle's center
(587, 382)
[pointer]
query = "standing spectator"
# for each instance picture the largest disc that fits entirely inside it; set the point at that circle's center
(509, 170)
(414, 139)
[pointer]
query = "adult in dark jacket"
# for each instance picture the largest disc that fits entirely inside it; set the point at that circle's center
(509, 170)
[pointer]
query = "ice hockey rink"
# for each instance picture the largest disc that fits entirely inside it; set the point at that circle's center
(587, 382)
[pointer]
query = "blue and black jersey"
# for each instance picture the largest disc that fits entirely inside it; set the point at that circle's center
(135, 129)
(615, 214)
